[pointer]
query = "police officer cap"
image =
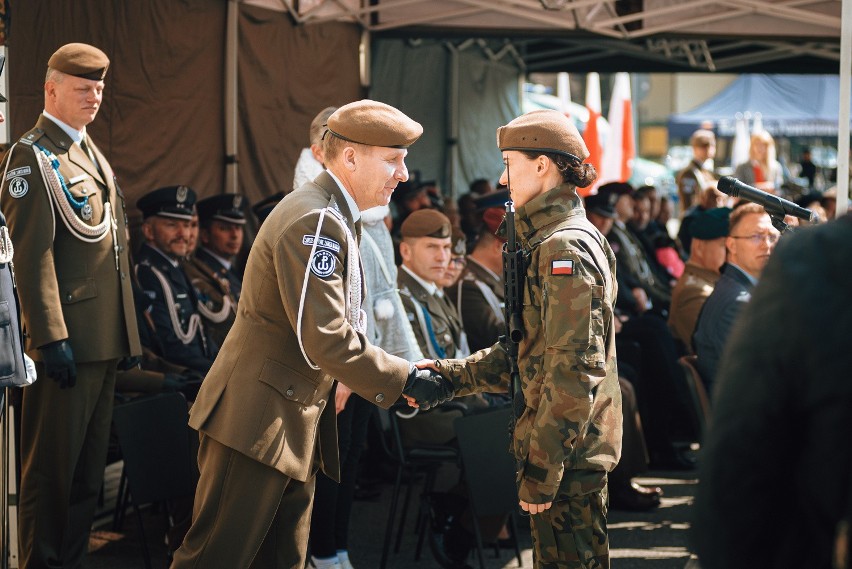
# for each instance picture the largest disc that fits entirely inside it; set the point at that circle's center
(618, 188)
(602, 203)
(374, 124)
(702, 137)
(545, 131)
(172, 201)
(426, 223)
(711, 224)
(80, 60)
(494, 199)
(224, 207)
(264, 207)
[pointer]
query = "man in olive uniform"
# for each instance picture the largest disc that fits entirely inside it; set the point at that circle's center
(695, 178)
(266, 412)
(700, 274)
(479, 294)
(425, 252)
(210, 269)
(77, 305)
(567, 436)
(167, 213)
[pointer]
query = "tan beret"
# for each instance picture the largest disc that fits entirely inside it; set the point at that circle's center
(374, 124)
(426, 223)
(543, 131)
(702, 137)
(80, 60)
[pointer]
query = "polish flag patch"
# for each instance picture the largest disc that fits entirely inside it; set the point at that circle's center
(562, 267)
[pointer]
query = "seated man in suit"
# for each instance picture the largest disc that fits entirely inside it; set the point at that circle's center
(211, 268)
(749, 243)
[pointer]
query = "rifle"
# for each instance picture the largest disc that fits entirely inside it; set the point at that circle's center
(514, 273)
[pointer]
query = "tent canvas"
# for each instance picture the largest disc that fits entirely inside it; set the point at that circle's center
(789, 105)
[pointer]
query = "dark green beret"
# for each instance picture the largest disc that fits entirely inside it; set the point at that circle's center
(711, 224)
(172, 201)
(426, 223)
(374, 124)
(223, 207)
(543, 131)
(80, 60)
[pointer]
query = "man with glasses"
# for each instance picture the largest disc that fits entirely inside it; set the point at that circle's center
(749, 243)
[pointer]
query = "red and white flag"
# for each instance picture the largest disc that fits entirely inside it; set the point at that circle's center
(591, 135)
(620, 150)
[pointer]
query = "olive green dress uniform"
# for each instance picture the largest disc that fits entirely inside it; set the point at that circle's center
(479, 298)
(688, 296)
(433, 318)
(263, 411)
(75, 290)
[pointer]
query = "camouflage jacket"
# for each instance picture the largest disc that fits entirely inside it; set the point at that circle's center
(572, 419)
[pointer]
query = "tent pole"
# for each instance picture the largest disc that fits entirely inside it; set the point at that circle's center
(231, 95)
(453, 122)
(843, 116)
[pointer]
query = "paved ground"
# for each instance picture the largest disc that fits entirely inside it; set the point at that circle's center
(652, 540)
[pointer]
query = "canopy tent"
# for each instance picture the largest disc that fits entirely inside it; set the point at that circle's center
(788, 105)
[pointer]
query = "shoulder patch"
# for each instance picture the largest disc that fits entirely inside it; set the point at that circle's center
(562, 267)
(18, 187)
(322, 242)
(323, 263)
(22, 171)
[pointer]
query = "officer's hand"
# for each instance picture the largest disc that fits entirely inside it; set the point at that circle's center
(59, 363)
(129, 362)
(427, 388)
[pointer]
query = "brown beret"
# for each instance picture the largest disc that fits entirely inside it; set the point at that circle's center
(702, 137)
(80, 60)
(374, 124)
(426, 223)
(544, 131)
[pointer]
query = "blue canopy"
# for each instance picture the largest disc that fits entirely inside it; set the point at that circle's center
(789, 105)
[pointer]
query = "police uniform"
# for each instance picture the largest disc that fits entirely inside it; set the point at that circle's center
(73, 278)
(216, 283)
(174, 304)
(569, 434)
(266, 409)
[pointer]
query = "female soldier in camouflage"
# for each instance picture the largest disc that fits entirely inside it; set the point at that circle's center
(568, 435)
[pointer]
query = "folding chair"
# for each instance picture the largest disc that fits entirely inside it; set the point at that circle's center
(697, 393)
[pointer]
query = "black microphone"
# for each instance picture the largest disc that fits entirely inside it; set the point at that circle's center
(771, 203)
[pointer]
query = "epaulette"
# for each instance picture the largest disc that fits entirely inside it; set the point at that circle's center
(32, 136)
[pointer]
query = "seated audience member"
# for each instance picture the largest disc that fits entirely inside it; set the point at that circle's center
(310, 162)
(693, 180)
(750, 241)
(264, 207)
(709, 230)
(167, 213)
(708, 199)
(829, 202)
(632, 261)
(211, 268)
(660, 248)
(458, 261)
(408, 197)
(812, 201)
(481, 187)
(777, 465)
(479, 295)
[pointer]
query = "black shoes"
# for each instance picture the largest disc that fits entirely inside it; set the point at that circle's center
(634, 497)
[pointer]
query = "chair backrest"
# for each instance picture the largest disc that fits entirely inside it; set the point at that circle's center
(489, 466)
(697, 391)
(153, 434)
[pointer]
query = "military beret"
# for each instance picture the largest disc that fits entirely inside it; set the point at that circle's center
(711, 224)
(426, 223)
(80, 60)
(172, 201)
(223, 207)
(702, 137)
(493, 218)
(603, 203)
(374, 124)
(543, 131)
(264, 207)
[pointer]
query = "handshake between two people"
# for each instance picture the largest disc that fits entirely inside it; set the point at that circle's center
(426, 388)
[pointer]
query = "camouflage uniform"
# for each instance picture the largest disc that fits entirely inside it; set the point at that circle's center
(569, 435)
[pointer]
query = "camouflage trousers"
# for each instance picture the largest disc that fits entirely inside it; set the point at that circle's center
(572, 533)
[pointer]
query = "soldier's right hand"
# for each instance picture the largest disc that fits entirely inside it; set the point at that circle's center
(59, 363)
(427, 388)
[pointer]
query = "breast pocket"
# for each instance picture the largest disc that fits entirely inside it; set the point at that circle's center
(75, 290)
(292, 384)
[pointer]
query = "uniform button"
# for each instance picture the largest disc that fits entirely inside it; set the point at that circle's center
(85, 191)
(290, 392)
(380, 397)
(69, 297)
